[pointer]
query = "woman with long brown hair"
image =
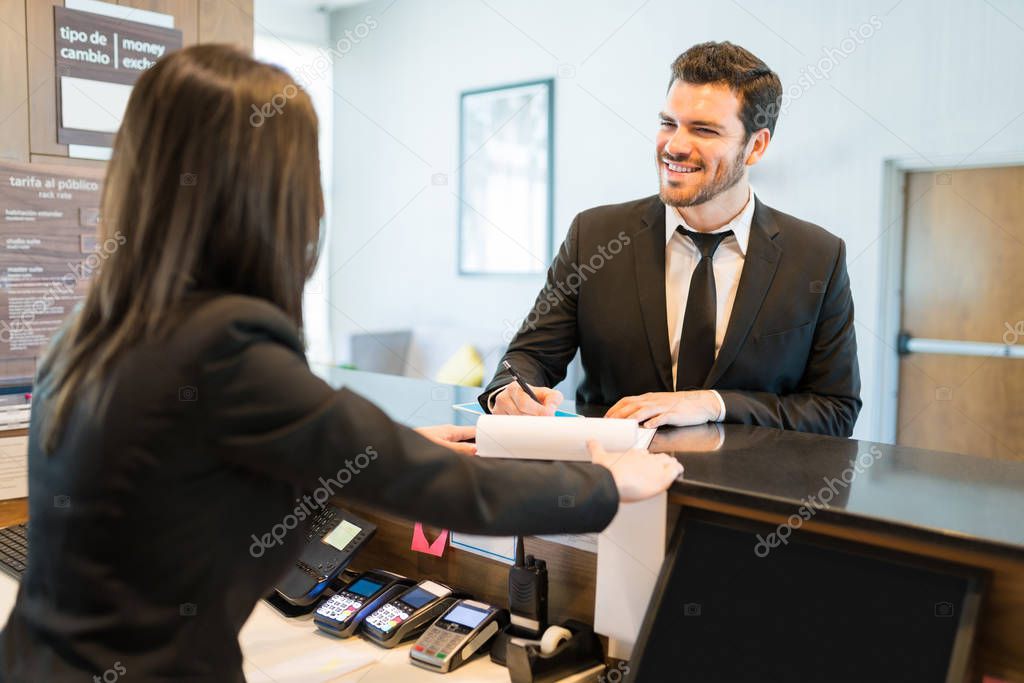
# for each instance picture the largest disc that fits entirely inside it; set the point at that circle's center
(175, 416)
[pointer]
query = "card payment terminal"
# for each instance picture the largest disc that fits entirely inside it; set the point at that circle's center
(342, 613)
(456, 635)
(408, 614)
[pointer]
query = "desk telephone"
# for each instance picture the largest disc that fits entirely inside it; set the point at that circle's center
(333, 539)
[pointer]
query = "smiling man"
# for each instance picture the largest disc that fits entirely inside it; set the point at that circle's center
(701, 303)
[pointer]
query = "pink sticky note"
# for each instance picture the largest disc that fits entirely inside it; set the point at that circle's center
(420, 545)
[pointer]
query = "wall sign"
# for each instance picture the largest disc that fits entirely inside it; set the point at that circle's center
(98, 58)
(49, 217)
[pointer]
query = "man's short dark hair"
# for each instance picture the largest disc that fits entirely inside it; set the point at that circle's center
(758, 87)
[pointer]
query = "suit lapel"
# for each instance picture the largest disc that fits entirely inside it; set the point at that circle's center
(759, 268)
(649, 252)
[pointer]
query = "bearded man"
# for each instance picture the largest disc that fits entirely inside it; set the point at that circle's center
(701, 303)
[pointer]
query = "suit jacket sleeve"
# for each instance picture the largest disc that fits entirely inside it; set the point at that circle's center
(827, 400)
(547, 341)
(270, 414)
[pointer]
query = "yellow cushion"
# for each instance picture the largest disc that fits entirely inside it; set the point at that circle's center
(465, 367)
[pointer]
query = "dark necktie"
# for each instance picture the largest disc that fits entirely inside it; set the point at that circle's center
(697, 343)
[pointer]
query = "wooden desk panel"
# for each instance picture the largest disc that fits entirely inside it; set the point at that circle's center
(14, 511)
(572, 576)
(572, 573)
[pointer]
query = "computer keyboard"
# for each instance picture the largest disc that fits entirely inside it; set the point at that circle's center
(14, 550)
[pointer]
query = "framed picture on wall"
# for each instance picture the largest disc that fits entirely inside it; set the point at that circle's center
(506, 191)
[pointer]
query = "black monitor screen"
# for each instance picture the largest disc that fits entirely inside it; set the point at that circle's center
(806, 611)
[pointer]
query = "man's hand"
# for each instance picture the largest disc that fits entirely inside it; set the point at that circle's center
(451, 436)
(679, 408)
(512, 400)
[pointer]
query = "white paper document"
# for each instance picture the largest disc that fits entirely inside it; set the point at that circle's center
(630, 553)
(501, 548)
(552, 438)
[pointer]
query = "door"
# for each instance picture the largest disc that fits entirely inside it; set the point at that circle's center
(961, 385)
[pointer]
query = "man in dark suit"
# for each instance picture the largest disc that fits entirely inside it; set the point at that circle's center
(699, 304)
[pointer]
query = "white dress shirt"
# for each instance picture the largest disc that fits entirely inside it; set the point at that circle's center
(682, 257)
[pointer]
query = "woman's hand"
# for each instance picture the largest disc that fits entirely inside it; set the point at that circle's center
(638, 474)
(451, 436)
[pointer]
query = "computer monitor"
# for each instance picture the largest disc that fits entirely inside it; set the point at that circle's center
(811, 610)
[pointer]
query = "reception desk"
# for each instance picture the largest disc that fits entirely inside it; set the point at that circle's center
(927, 504)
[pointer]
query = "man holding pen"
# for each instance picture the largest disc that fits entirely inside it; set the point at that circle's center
(706, 305)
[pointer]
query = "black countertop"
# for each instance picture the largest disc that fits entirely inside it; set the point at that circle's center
(960, 501)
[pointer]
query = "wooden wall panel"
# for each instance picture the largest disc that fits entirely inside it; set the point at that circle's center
(67, 161)
(572, 573)
(13, 82)
(221, 21)
(185, 13)
(199, 21)
(42, 83)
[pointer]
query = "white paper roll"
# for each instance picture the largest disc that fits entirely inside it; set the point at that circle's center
(552, 438)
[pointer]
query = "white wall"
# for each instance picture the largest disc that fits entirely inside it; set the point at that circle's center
(936, 78)
(287, 21)
(296, 36)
